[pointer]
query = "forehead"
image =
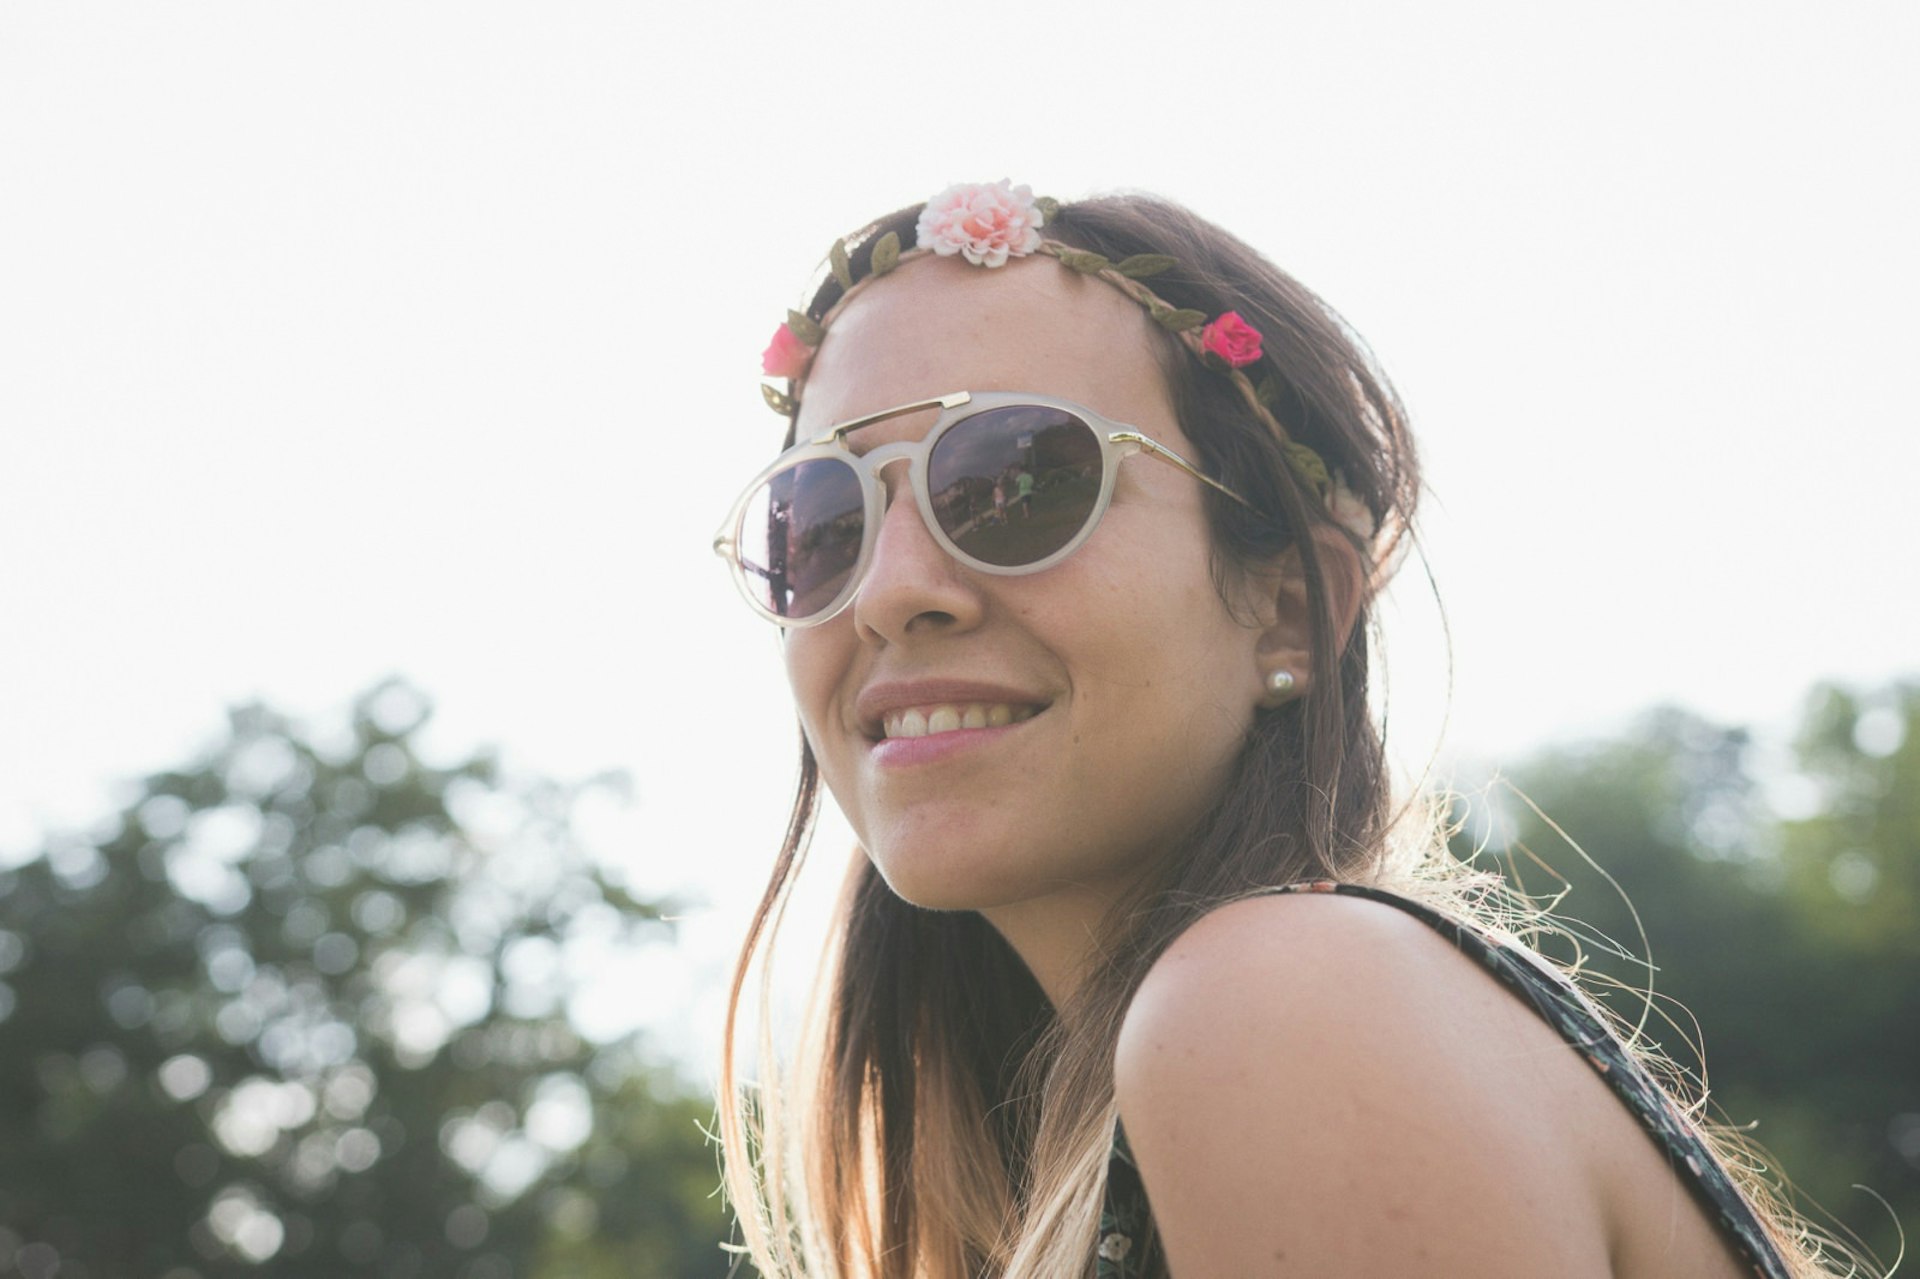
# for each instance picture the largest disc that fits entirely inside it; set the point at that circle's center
(938, 325)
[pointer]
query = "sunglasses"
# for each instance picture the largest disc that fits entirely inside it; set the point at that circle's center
(1007, 483)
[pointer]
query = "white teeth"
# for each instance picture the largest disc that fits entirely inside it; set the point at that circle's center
(921, 721)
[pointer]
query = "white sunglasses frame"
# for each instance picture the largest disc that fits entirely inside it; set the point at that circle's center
(1117, 440)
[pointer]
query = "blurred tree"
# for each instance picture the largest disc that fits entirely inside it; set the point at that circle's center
(1854, 860)
(301, 1009)
(1787, 943)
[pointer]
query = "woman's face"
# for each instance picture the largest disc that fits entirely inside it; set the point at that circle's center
(1138, 683)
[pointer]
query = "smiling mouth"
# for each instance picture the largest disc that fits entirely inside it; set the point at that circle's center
(950, 717)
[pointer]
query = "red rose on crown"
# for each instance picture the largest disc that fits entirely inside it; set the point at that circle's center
(1232, 339)
(786, 355)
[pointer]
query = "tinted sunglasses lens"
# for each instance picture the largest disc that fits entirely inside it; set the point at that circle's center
(800, 537)
(1013, 485)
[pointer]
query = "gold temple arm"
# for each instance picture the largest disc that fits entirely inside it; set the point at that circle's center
(1166, 454)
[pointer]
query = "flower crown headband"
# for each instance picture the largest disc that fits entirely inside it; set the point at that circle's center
(989, 223)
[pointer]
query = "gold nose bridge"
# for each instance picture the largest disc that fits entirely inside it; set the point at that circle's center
(952, 400)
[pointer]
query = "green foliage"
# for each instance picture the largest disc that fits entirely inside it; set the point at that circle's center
(1779, 901)
(300, 1009)
(1856, 851)
(1178, 319)
(1141, 266)
(805, 328)
(779, 401)
(1086, 263)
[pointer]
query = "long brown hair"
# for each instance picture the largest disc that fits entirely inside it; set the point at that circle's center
(954, 1123)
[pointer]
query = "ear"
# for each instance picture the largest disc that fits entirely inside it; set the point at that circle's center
(1283, 648)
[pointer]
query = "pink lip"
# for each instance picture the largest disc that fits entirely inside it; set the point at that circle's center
(907, 752)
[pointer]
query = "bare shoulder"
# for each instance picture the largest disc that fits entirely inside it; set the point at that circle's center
(1321, 1084)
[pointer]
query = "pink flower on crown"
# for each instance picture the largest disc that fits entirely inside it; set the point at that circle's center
(1232, 339)
(984, 222)
(786, 355)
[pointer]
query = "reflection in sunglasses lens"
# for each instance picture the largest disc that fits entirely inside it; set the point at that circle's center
(1013, 485)
(800, 537)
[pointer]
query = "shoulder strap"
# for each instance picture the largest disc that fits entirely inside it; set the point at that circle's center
(1125, 1243)
(1568, 1009)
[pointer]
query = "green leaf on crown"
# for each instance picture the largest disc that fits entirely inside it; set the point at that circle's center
(886, 253)
(1179, 321)
(1083, 262)
(1268, 392)
(842, 269)
(1141, 265)
(779, 401)
(1309, 466)
(803, 327)
(1049, 208)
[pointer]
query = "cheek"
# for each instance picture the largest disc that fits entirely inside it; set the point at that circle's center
(1166, 680)
(1166, 716)
(813, 673)
(1157, 614)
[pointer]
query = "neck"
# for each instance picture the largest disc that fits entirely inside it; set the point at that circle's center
(1057, 936)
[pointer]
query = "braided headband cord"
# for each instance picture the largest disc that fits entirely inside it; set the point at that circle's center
(1013, 219)
(1184, 324)
(1305, 462)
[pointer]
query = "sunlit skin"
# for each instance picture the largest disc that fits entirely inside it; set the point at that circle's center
(1149, 681)
(1431, 1124)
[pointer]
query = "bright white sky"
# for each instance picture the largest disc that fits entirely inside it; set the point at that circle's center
(353, 338)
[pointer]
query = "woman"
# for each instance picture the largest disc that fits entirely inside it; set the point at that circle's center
(1082, 1014)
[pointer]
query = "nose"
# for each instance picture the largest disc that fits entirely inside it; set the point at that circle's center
(913, 588)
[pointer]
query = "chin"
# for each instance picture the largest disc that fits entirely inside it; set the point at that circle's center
(937, 881)
(976, 879)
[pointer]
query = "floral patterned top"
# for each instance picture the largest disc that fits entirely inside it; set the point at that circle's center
(1126, 1246)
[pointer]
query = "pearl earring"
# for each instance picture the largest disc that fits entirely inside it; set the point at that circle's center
(1280, 683)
